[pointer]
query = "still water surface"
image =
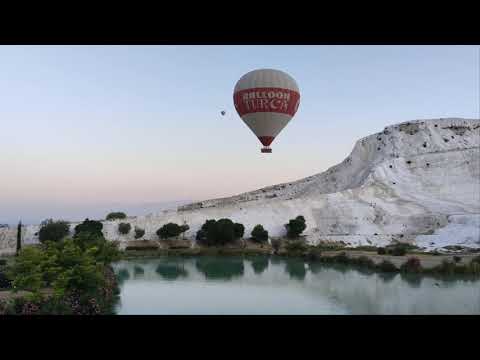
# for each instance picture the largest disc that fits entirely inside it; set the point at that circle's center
(262, 285)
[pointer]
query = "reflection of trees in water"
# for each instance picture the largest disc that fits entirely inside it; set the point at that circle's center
(171, 271)
(387, 277)
(259, 264)
(316, 267)
(122, 276)
(448, 281)
(295, 268)
(275, 260)
(220, 268)
(365, 270)
(138, 270)
(414, 280)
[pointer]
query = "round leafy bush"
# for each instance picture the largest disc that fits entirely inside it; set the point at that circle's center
(224, 231)
(53, 230)
(219, 232)
(295, 227)
(381, 251)
(139, 233)
(124, 228)
(238, 230)
(259, 234)
(116, 215)
(171, 230)
(398, 250)
(89, 226)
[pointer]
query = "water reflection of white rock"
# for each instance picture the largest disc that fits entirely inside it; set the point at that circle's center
(320, 290)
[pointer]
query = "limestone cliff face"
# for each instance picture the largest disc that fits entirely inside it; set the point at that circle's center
(417, 181)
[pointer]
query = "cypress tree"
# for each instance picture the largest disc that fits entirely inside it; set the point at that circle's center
(19, 237)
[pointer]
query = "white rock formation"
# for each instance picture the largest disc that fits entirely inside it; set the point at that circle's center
(416, 182)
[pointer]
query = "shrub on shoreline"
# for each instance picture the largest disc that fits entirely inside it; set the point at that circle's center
(239, 230)
(276, 243)
(139, 232)
(221, 232)
(296, 246)
(381, 251)
(171, 230)
(124, 228)
(397, 250)
(259, 234)
(295, 227)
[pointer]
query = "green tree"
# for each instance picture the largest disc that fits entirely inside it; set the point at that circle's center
(170, 230)
(259, 234)
(219, 232)
(63, 266)
(224, 231)
(201, 237)
(116, 215)
(139, 233)
(239, 230)
(89, 226)
(124, 228)
(206, 235)
(19, 238)
(295, 227)
(53, 230)
(103, 250)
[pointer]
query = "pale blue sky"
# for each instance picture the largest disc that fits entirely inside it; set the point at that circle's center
(85, 127)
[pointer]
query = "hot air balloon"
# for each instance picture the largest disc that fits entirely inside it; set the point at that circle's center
(266, 100)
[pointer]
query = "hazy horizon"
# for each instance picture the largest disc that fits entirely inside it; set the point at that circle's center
(90, 129)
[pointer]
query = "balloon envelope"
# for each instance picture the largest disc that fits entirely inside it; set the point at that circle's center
(266, 100)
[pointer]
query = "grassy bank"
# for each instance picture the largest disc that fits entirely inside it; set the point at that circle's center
(408, 259)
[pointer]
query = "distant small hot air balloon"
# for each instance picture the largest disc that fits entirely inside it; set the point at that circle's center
(223, 113)
(266, 100)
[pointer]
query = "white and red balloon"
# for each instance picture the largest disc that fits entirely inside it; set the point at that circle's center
(266, 100)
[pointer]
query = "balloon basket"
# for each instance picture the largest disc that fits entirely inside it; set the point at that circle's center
(266, 150)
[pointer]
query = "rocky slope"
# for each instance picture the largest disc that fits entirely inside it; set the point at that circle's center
(417, 182)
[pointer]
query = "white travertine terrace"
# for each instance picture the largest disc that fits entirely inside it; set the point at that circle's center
(417, 182)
